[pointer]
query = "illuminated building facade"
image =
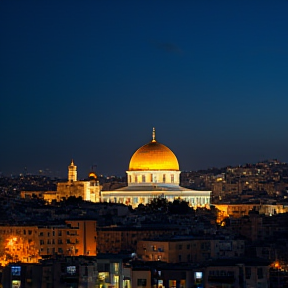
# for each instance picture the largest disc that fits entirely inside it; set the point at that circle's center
(154, 172)
(29, 243)
(89, 189)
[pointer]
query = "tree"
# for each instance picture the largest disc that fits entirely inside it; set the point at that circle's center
(158, 204)
(16, 248)
(180, 206)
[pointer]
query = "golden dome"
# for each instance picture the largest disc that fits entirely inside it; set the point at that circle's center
(153, 156)
(92, 175)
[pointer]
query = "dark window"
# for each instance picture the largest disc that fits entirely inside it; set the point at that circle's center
(260, 273)
(141, 282)
(248, 272)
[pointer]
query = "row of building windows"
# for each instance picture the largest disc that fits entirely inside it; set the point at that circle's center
(41, 234)
(221, 273)
(152, 179)
(60, 241)
(53, 250)
(17, 232)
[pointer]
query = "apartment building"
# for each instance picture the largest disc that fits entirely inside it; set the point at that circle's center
(175, 250)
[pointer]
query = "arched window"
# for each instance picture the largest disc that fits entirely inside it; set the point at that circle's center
(164, 178)
(151, 178)
(130, 180)
(135, 179)
(143, 179)
(172, 178)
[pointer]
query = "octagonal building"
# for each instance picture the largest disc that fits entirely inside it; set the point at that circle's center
(154, 172)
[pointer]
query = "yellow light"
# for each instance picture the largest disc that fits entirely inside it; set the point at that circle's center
(153, 156)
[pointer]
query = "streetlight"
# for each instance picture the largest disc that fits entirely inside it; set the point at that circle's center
(278, 267)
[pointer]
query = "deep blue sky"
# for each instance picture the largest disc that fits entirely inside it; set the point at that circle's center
(89, 79)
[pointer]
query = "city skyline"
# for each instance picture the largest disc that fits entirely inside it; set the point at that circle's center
(89, 80)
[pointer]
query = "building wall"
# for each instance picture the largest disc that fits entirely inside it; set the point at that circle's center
(196, 250)
(88, 190)
(87, 235)
(29, 243)
(116, 240)
(141, 277)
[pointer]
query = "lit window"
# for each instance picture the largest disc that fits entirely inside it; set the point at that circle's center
(16, 270)
(71, 270)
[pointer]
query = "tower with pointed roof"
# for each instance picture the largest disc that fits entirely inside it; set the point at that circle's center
(72, 172)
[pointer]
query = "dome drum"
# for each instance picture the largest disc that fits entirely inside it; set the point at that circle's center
(153, 177)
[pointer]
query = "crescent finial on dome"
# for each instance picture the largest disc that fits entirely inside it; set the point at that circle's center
(153, 135)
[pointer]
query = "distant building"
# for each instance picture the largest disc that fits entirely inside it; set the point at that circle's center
(88, 190)
(189, 249)
(237, 273)
(114, 239)
(30, 243)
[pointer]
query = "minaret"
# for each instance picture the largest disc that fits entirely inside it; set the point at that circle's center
(72, 172)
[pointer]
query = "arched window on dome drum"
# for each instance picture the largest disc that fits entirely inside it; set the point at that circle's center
(135, 179)
(130, 180)
(143, 179)
(151, 180)
(164, 178)
(172, 178)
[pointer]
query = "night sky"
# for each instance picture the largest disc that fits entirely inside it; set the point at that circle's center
(89, 80)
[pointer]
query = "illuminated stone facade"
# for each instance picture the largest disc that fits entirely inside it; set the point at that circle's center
(30, 243)
(154, 172)
(89, 190)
